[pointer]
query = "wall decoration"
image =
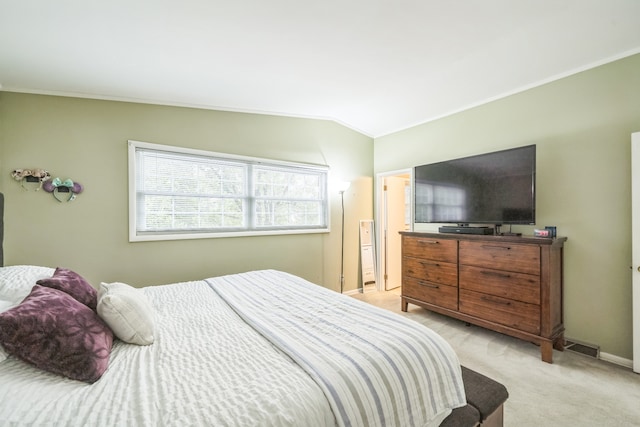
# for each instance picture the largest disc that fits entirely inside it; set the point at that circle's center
(57, 186)
(31, 175)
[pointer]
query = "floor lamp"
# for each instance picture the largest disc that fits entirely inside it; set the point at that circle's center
(343, 187)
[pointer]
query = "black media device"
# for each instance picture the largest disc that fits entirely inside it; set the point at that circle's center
(466, 230)
(494, 189)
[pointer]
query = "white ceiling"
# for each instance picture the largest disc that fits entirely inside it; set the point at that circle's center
(377, 66)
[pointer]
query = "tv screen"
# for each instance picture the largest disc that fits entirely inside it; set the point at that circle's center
(492, 188)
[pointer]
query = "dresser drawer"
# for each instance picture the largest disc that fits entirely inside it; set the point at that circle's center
(430, 248)
(501, 256)
(432, 293)
(516, 314)
(430, 271)
(507, 284)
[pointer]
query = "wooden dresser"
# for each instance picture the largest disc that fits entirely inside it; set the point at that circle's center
(512, 285)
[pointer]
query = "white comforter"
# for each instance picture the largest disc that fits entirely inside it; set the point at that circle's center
(207, 367)
(376, 368)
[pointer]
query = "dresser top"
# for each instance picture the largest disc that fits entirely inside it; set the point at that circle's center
(525, 239)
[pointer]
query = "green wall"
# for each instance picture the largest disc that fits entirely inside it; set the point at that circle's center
(86, 140)
(582, 127)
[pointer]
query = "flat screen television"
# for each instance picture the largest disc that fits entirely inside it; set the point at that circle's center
(493, 188)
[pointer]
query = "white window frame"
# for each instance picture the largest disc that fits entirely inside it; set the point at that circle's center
(250, 230)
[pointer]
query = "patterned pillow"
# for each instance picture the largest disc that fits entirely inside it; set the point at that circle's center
(56, 333)
(72, 283)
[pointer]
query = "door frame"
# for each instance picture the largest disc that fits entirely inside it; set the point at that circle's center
(635, 246)
(381, 219)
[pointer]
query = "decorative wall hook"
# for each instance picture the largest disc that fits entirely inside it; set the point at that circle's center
(57, 186)
(31, 175)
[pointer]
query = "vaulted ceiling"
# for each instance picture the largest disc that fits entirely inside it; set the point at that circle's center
(377, 66)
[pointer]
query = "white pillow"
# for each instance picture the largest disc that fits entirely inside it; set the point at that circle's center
(4, 306)
(3, 354)
(16, 281)
(127, 311)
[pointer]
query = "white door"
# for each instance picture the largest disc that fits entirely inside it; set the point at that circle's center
(635, 245)
(394, 215)
(395, 224)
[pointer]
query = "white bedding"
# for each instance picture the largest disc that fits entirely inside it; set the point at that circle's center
(207, 367)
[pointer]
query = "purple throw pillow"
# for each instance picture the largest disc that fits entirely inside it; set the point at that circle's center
(75, 285)
(58, 334)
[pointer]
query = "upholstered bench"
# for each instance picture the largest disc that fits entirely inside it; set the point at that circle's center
(485, 399)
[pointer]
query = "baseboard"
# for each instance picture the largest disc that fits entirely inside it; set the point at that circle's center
(352, 292)
(616, 360)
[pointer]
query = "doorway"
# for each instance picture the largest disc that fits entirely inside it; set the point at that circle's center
(635, 246)
(394, 214)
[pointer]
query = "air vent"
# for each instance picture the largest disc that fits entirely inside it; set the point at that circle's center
(591, 350)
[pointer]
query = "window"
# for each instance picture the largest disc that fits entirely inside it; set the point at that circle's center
(178, 193)
(446, 202)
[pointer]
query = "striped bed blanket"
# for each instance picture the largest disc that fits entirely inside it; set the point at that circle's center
(375, 367)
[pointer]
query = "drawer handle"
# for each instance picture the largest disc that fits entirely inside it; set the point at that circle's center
(428, 285)
(496, 274)
(426, 263)
(497, 301)
(428, 242)
(504, 248)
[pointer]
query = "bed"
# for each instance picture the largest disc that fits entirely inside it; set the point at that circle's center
(260, 348)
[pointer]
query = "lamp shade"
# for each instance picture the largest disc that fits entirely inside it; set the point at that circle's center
(343, 186)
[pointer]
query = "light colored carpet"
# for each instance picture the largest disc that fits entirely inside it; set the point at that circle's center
(576, 390)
